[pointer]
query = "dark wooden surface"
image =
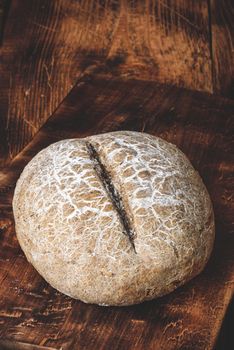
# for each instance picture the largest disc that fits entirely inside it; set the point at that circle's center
(31, 312)
(222, 46)
(48, 45)
(114, 54)
(226, 336)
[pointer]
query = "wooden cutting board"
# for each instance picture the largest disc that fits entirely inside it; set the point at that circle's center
(35, 316)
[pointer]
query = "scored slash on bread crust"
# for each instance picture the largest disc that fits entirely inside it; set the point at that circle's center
(114, 195)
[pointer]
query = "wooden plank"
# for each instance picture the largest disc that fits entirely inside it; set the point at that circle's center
(226, 336)
(190, 318)
(1, 19)
(48, 44)
(9, 345)
(222, 29)
(4, 10)
(38, 68)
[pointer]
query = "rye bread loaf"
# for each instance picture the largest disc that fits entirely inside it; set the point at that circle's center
(115, 218)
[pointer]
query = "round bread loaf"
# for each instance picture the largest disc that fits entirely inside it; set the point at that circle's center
(114, 219)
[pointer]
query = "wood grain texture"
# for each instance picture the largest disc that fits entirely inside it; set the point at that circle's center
(48, 45)
(190, 318)
(222, 31)
(15, 345)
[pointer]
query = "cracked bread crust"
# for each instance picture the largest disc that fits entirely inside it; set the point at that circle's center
(70, 228)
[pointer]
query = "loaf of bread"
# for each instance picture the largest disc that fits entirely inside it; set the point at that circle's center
(115, 218)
